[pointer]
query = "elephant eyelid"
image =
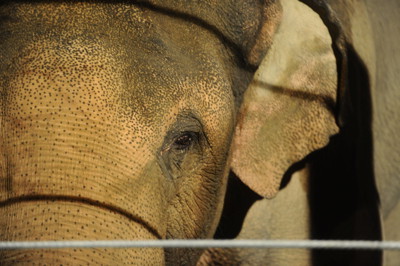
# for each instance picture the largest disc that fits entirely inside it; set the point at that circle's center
(181, 141)
(187, 130)
(185, 140)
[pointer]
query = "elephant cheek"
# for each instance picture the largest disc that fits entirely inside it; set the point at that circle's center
(63, 220)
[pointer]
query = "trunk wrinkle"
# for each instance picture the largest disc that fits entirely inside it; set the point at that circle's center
(86, 201)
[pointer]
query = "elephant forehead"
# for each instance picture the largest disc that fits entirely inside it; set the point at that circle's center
(130, 56)
(76, 81)
(89, 83)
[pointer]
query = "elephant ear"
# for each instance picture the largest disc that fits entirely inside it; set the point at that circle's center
(288, 110)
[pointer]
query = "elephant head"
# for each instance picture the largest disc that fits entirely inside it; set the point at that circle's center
(122, 119)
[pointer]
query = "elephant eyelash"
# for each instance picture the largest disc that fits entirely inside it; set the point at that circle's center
(182, 143)
(185, 140)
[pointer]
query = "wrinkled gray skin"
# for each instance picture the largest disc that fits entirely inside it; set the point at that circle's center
(124, 121)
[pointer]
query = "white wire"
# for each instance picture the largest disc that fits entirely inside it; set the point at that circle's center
(303, 244)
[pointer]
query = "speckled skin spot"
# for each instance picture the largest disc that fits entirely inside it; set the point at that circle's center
(116, 123)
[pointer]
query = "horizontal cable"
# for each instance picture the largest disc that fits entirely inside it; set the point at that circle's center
(303, 244)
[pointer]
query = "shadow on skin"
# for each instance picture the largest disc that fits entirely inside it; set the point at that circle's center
(303, 95)
(344, 199)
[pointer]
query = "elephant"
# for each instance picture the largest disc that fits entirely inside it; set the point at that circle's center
(156, 119)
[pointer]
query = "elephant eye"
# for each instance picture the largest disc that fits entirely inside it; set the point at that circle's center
(184, 147)
(185, 140)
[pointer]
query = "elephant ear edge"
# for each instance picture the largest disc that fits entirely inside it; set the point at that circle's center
(288, 111)
(271, 15)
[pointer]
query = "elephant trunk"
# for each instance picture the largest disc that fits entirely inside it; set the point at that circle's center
(69, 219)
